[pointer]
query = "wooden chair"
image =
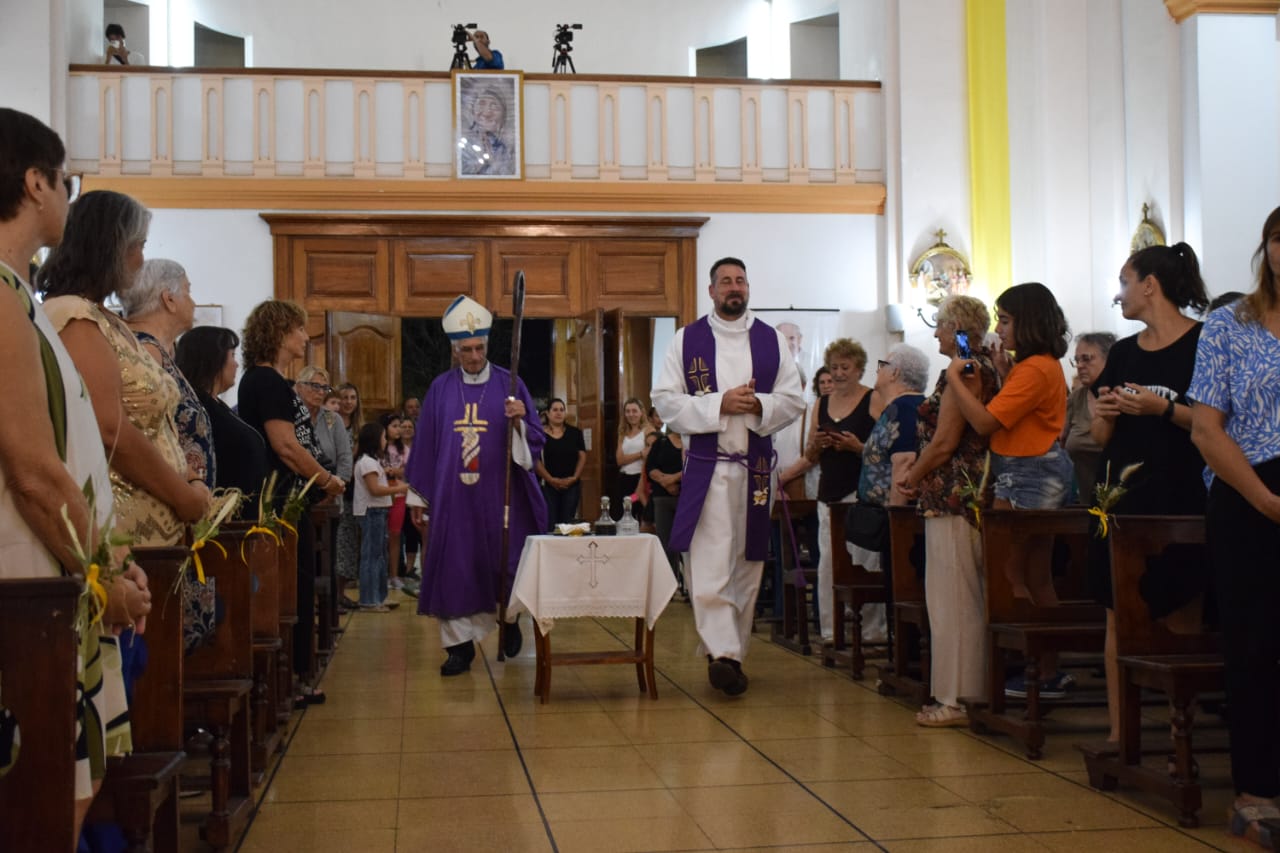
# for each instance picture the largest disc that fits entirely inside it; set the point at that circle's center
(852, 586)
(218, 691)
(140, 791)
(1181, 666)
(1018, 627)
(37, 793)
(796, 581)
(910, 615)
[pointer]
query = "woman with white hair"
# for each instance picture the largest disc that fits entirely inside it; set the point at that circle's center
(158, 307)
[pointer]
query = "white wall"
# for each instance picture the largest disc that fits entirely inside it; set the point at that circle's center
(26, 65)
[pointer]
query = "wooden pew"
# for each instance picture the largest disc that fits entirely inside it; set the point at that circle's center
(218, 691)
(140, 792)
(796, 581)
(37, 793)
(1018, 627)
(325, 518)
(1181, 666)
(910, 616)
(264, 565)
(852, 586)
(287, 572)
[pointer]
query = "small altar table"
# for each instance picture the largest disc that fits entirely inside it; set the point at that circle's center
(563, 577)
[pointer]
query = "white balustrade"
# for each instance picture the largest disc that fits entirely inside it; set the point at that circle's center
(275, 123)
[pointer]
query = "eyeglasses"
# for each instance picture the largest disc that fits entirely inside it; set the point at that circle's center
(880, 362)
(72, 181)
(1082, 360)
(318, 386)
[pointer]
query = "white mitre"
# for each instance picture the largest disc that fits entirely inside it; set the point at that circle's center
(466, 318)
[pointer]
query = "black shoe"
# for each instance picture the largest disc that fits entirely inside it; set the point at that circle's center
(512, 638)
(459, 660)
(725, 674)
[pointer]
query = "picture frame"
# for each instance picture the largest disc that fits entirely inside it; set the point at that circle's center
(1147, 234)
(208, 315)
(488, 125)
(940, 271)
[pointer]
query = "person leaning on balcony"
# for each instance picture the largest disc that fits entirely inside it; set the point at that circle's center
(117, 53)
(100, 253)
(50, 447)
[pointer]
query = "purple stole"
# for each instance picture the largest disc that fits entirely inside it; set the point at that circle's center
(698, 353)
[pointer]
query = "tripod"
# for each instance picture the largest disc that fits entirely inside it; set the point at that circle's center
(562, 62)
(460, 57)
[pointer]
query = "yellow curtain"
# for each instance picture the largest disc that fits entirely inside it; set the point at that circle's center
(992, 255)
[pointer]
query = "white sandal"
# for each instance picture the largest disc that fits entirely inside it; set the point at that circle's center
(942, 716)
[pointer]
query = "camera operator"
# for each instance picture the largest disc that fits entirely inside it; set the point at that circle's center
(485, 58)
(116, 51)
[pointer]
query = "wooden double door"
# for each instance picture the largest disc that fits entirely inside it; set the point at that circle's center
(602, 280)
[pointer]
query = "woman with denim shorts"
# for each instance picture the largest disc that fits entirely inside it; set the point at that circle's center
(1030, 467)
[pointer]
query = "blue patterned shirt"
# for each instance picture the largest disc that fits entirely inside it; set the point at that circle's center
(1238, 372)
(894, 432)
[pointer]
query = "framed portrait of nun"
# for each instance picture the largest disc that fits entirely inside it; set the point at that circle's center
(488, 125)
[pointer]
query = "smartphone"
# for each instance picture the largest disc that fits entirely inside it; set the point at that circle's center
(962, 349)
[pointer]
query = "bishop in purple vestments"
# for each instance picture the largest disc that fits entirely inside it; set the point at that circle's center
(458, 467)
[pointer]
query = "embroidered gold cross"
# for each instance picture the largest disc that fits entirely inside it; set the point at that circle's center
(760, 474)
(469, 427)
(700, 375)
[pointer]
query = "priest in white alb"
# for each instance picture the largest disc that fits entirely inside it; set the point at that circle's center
(728, 383)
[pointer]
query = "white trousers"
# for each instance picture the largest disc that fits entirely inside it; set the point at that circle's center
(953, 585)
(723, 584)
(473, 628)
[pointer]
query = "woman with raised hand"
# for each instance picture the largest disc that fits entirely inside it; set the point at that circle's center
(1090, 358)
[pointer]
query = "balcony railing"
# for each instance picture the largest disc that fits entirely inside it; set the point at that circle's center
(311, 123)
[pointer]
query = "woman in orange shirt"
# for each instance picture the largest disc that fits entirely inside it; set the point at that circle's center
(1031, 468)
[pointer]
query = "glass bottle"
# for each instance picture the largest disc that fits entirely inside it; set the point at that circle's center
(627, 525)
(604, 525)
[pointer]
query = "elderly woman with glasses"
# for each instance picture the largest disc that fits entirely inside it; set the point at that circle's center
(335, 447)
(158, 306)
(1090, 359)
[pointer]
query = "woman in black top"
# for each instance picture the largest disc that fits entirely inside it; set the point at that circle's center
(206, 355)
(841, 422)
(1142, 415)
(275, 335)
(665, 467)
(560, 468)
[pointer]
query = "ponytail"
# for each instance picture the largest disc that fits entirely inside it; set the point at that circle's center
(1177, 269)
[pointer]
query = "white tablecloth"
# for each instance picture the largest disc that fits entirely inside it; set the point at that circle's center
(570, 576)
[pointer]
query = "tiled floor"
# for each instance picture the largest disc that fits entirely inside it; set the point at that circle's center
(402, 759)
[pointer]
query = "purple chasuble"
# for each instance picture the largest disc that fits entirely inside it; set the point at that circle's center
(698, 353)
(458, 464)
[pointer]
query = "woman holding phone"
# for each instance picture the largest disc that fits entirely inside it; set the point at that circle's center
(840, 423)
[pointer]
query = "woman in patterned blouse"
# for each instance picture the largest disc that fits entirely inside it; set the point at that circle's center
(1236, 424)
(158, 306)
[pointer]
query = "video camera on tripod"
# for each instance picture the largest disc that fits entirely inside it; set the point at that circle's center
(460, 39)
(561, 61)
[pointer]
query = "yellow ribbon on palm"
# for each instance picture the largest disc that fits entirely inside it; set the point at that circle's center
(99, 592)
(288, 527)
(259, 530)
(1102, 520)
(195, 555)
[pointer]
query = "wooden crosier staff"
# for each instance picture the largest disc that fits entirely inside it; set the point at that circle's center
(517, 312)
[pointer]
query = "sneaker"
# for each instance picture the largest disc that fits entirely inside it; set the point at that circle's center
(390, 604)
(374, 608)
(395, 583)
(1050, 688)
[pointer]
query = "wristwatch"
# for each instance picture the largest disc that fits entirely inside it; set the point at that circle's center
(1168, 412)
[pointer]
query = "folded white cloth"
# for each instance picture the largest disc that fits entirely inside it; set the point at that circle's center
(573, 529)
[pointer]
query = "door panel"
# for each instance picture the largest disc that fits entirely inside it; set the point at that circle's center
(364, 349)
(583, 397)
(552, 276)
(641, 275)
(431, 272)
(341, 274)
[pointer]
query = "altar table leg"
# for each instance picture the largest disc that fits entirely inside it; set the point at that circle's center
(648, 663)
(640, 670)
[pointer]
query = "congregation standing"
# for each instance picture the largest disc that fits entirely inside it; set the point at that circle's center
(129, 403)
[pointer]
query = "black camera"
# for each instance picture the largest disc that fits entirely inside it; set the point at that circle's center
(564, 32)
(460, 34)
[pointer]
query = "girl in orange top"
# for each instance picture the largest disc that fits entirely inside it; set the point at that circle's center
(1030, 467)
